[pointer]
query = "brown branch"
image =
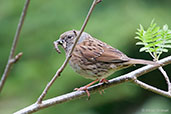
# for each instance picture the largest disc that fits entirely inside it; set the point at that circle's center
(113, 82)
(69, 55)
(12, 59)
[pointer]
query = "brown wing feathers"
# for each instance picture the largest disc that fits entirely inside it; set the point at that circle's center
(98, 51)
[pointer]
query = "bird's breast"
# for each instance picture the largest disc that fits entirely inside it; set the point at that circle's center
(89, 69)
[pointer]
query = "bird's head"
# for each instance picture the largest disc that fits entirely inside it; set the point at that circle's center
(67, 40)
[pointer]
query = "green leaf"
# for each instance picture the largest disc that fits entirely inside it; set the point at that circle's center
(169, 31)
(141, 27)
(162, 50)
(165, 27)
(143, 49)
(152, 26)
(153, 44)
(155, 30)
(156, 34)
(153, 39)
(140, 43)
(168, 41)
(139, 34)
(164, 46)
(139, 30)
(137, 37)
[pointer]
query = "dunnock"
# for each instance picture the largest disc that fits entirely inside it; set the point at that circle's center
(93, 58)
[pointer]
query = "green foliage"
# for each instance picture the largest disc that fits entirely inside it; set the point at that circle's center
(112, 21)
(155, 40)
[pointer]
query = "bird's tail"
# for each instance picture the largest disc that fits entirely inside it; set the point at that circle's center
(141, 61)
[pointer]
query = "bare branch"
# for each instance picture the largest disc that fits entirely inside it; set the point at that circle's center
(12, 59)
(166, 78)
(151, 88)
(16, 58)
(121, 79)
(69, 55)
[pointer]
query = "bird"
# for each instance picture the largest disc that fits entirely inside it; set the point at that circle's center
(94, 59)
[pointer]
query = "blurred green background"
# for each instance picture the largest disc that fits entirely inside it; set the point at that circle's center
(114, 22)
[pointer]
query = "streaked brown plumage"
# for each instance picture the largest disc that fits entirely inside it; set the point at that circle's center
(93, 58)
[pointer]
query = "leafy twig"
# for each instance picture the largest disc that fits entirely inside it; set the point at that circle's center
(155, 42)
(12, 59)
(113, 82)
(69, 55)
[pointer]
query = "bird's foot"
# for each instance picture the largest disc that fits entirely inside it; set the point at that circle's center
(101, 92)
(84, 88)
(103, 81)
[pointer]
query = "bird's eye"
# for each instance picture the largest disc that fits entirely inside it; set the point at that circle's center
(61, 42)
(69, 36)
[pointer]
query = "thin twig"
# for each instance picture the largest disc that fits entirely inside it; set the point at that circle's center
(14, 44)
(69, 55)
(151, 88)
(166, 78)
(113, 82)
(16, 58)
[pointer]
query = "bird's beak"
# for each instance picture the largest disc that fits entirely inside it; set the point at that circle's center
(56, 43)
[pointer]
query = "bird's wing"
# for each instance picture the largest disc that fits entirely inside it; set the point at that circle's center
(95, 50)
